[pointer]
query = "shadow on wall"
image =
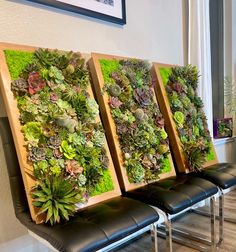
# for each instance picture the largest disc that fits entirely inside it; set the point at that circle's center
(10, 227)
(2, 107)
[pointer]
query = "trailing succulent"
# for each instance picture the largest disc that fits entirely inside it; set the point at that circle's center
(64, 141)
(181, 84)
(139, 123)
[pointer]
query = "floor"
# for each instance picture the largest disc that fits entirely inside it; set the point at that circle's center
(198, 223)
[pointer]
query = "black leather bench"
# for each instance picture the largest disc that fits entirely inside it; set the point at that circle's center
(222, 175)
(92, 228)
(176, 194)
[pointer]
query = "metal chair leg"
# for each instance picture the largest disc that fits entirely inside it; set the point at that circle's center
(221, 218)
(168, 235)
(213, 229)
(153, 229)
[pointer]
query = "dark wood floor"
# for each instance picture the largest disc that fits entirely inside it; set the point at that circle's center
(195, 223)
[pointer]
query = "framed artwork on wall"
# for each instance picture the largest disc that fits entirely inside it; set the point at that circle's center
(108, 10)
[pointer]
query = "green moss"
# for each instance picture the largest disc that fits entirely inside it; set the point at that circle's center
(211, 154)
(108, 67)
(165, 72)
(17, 61)
(105, 184)
(166, 166)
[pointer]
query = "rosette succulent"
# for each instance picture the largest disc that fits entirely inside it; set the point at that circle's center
(36, 83)
(179, 118)
(20, 86)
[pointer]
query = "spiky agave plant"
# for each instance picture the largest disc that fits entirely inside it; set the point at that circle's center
(56, 197)
(195, 157)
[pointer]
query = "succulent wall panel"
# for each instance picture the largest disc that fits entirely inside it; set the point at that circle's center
(176, 91)
(61, 144)
(132, 119)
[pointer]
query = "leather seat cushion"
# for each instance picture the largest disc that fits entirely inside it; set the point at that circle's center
(95, 227)
(222, 174)
(174, 194)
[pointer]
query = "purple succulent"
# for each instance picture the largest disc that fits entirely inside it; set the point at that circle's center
(121, 129)
(36, 154)
(73, 167)
(57, 153)
(54, 142)
(115, 102)
(53, 97)
(160, 122)
(143, 96)
(177, 87)
(20, 85)
(35, 82)
(104, 160)
(146, 162)
(116, 77)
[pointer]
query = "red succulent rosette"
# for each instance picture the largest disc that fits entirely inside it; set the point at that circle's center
(35, 83)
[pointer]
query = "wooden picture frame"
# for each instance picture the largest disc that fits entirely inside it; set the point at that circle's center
(13, 115)
(108, 10)
(109, 124)
(177, 149)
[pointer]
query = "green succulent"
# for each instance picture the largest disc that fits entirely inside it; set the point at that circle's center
(128, 117)
(190, 92)
(67, 149)
(198, 102)
(81, 180)
(98, 138)
(55, 74)
(139, 114)
(76, 139)
(40, 168)
(114, 90)
(32, 131)
(175, 101)
(55, 170)
(117, 114)
(194, 156)
(186, 102)
(92, 108)
(179, 118)
(162, 149)
(135, 170)
(196, 131)
(46, 58)
(80, 105)
(69, 94)
(56, 197)
(70, 69)
(163, 134)
(67, 122)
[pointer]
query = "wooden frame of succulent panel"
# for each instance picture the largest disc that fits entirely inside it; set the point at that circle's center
(171, 126)
(16, 128)
(110, 125)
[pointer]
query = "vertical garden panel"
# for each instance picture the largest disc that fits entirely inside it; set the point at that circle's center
(61, 146)
(186, 122)
(132, 119)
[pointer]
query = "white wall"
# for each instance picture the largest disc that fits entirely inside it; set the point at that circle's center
(154, 31)
(225, 150)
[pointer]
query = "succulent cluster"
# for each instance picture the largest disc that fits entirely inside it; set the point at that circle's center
(65, 142)
(181, 84)
(139, 123)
